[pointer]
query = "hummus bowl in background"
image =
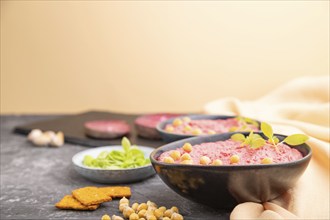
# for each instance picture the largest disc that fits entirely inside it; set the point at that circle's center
(170, 136)
(224, 186)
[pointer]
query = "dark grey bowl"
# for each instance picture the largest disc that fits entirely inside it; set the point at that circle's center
(225, 186)
(170, 137)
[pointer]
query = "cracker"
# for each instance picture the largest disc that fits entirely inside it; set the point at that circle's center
(68, 202)
(90, 195)
(117, 191)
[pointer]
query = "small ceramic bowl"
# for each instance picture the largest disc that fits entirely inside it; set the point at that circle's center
(227, 185)
(112, 175)
(171, 136)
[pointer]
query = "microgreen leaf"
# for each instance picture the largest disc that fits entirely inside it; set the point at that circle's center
(267, 130)
(126, 144)
(257, 143)
(238, 137)
(296, 139)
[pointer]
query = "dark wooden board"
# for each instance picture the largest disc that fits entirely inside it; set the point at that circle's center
(73, 128)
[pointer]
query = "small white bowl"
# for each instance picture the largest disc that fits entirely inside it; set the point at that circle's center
(100, 175)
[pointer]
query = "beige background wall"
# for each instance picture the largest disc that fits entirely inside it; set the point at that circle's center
(128, 56)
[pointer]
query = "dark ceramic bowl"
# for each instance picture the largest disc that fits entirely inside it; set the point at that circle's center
(170, 136)
(227, 185)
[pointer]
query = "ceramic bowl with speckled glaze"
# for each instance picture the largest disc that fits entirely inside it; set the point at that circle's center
(100, 175)
(225, 186)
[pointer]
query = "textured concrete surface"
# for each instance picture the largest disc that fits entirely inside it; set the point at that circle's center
(33, 179)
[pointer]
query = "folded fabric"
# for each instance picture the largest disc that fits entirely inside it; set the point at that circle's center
(299, 106)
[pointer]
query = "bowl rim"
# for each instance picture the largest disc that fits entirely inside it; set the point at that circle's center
(136, 120)
(143, 148)
(160, 126)
(154, 161)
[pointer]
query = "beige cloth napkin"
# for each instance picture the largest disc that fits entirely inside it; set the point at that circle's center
(299, 106)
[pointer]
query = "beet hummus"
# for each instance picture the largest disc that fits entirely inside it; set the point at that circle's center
(189, 126)
(230, 152)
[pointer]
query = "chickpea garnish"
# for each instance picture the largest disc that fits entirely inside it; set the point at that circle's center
(217, 162)
(187, 162)
(105, 217)
(168, 160)
(211, 132)
(267, 160)
(175, 209)
(175, 154)
(169, 128)
(166, 218)
(204, 160)
(185, 156)
(187, 147)
(234, 159)
(116, 217)
(177, 122)
(196, 131)
(187, 128)
(186, 119)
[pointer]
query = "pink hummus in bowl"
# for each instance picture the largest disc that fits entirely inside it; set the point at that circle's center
(230, 152)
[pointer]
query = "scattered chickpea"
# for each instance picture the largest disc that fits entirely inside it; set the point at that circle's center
(163, 208)
(116, 217)
(127, 211)
(135, 205)
(142, 219)
(149, 203)
(204, 160)
(177, 122)
(187, 147)
(176, 216)
(211, 132)
(166, 218)
(175, 154)
(124, 200)
(168, 160)
(185, 156)
(134, 216)
(196, 131)
(186, 119)
(234, 159)
(142, 206)
(267, 160)
(142, 213)
(187, 162)
(169, 128)
(217, 162)
(158, 213)
(151, 217)
(175, 209)
(122, 206)
(105, 217)
(168, 213)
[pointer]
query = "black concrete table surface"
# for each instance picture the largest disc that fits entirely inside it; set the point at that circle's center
(34, 178)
